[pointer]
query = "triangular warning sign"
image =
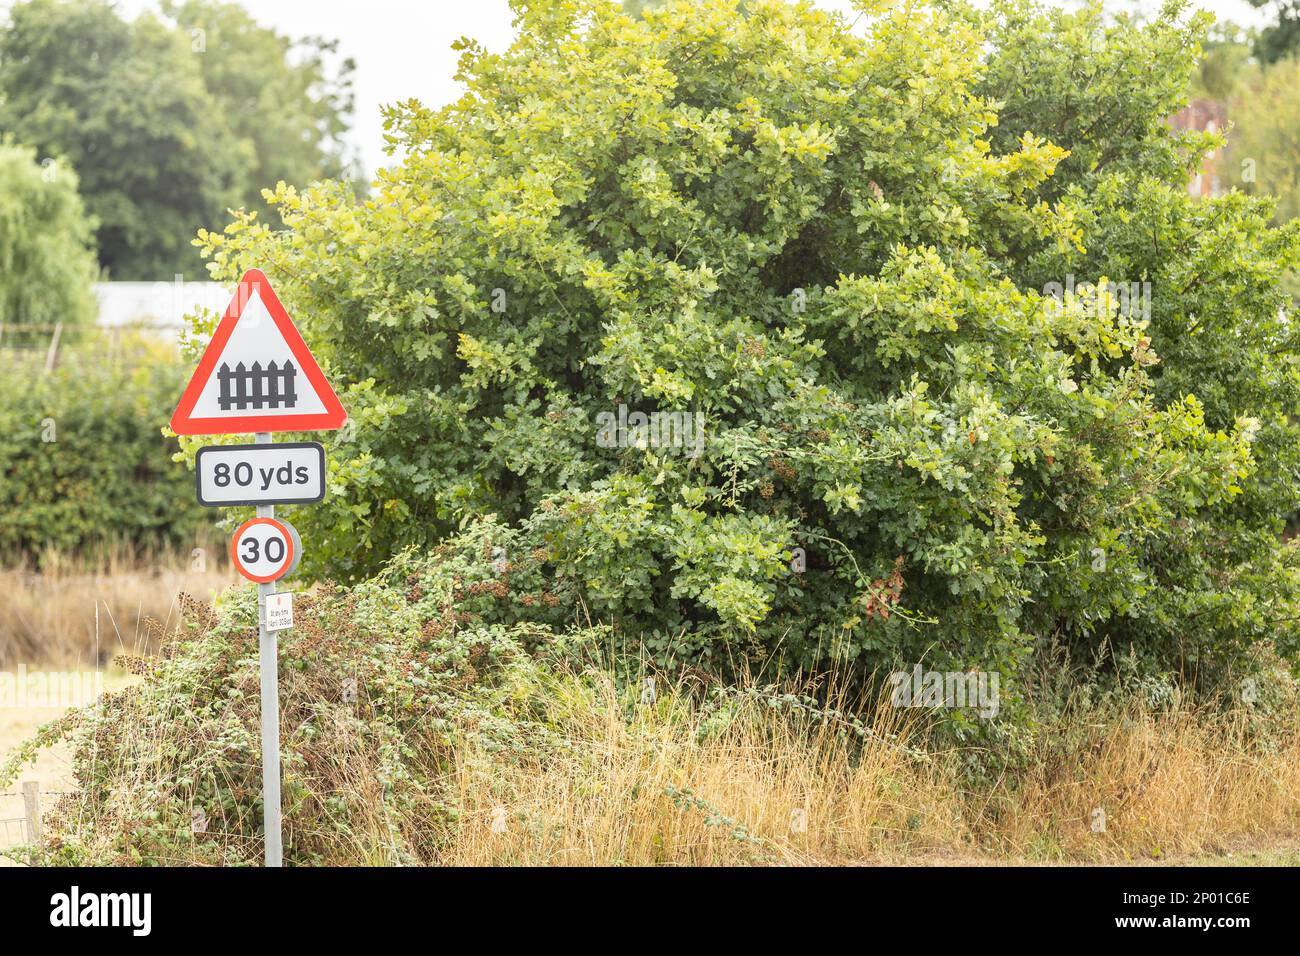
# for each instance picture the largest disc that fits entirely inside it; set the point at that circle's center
(256, 374)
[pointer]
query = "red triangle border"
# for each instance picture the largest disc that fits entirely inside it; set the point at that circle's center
(182, 422)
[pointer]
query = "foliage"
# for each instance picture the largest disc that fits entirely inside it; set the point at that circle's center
(159, 129)
(1215, 579)
(380, 684)
(1226, 62)
(125, 105)
(1100, 87)
(282, 95)
(46, 259)
(418, 726)
(82, 462)
(835, 251)
(1282, 38)
(1262, 157)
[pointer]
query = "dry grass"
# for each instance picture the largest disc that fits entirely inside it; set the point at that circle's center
(667, 787)
(679, 783)
(651, 792)
(744, 776)
(1175, 782)
(81, 612)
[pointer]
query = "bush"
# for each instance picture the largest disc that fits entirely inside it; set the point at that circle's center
(833, 254)
(379, 685)
(83, 462)
(47, 256)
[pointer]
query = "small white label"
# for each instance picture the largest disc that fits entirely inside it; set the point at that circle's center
(279, 611)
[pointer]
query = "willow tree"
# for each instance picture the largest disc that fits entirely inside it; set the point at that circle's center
(47, 257)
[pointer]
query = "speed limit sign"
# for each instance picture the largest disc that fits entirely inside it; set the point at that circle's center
(263, 549)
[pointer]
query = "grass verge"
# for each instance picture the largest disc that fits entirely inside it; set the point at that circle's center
(414, 733)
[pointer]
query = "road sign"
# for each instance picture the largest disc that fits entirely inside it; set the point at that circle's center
(257, 374)
(262, 549)
(279, 611)
(290, 473)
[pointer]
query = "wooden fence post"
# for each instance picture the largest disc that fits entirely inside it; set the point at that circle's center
(53, 352)
(32, 807)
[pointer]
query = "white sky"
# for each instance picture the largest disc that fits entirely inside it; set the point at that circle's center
(402, 48)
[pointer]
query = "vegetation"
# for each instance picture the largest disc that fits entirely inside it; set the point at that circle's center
(167, 123)
(1281, 39)
(416, 731)
(82, 462)
(852, 260)
(706, 363)
(1262, 157)
(83, 609)
(289, 99)
(1258, 94)
(47, 259)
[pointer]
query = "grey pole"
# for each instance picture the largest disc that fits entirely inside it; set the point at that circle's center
(270, 710)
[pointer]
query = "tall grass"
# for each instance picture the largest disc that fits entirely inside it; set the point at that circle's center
(669, 784)
(81, 611)
(681, 783)
(1149, 783)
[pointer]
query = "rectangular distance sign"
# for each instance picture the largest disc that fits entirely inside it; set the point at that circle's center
(287, 473)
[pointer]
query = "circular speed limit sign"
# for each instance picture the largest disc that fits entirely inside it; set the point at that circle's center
(263, 550)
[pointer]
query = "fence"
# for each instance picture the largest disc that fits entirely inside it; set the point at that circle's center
(42, 346)
(257, 387)
(17, 831)
(33, 339)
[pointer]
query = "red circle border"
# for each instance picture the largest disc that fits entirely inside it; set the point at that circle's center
(288, 557)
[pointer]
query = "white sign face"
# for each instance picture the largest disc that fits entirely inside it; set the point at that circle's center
(277, 387)
(285, 474)
(262, 550)
(279, 611)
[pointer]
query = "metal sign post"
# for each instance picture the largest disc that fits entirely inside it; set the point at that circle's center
(270, 668)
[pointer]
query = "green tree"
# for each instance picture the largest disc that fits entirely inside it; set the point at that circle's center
(837, 253)
(162, 132)
(47, 258)
(279, 95)
(1264, 146)
(125, 105)
(1278, 40)
(1227, 62)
